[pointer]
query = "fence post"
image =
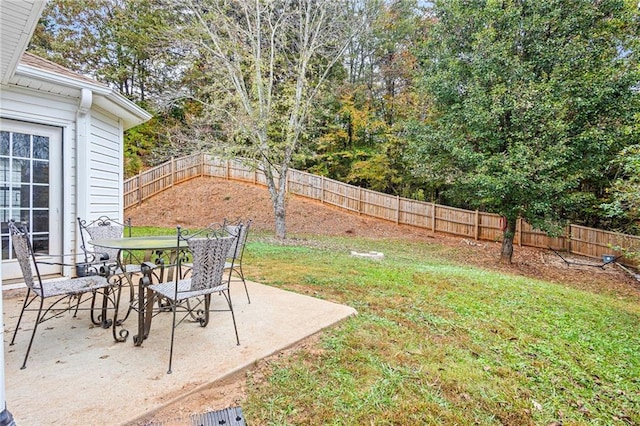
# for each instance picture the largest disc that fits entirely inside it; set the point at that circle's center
(397, 209)
(359, 200)
(476, 233)
(286, 183)
(569, 236)
(228, 168)
(140, 187)
(322, 189)
(519, 226)
(433, 217)
(172, 168)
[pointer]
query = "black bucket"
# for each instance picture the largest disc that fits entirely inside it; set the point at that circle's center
(84, 270)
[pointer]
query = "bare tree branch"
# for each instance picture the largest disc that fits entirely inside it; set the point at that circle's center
(273, 56)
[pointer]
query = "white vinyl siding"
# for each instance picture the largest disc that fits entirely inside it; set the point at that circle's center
(92, 185)
(106, 171)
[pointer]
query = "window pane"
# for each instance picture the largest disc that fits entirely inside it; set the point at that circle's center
(41, 147)
(4, 143)
(21, 196)
(5, 245)
(4, 196)
(22, 216)
(21, 171)
(40, 196)
(4, 170)
(40, 172)
(40, 244)
(21, 145)
(4, 218)
(40, 221)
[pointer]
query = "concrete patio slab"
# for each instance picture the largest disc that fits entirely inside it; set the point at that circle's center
(77, 374)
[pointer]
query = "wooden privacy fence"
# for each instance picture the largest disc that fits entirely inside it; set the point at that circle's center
(476, 225)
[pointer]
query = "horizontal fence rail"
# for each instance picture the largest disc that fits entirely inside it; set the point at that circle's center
(590, 242)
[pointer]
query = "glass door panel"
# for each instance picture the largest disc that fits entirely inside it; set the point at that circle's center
(30, 190)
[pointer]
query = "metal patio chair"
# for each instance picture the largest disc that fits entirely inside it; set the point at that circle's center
(233, 263)
(57, 291)
(113, 262)
(105, 227)
(209, 249)
(234, 258)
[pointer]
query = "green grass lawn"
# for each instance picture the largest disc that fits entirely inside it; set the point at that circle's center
(436, 342)
(443, 343)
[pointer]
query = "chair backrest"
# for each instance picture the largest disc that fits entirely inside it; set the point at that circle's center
(209, 249)
(100, 228)
(209, 255)
(241, 230)
(24, 252)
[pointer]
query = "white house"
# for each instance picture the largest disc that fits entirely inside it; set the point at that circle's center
(61, 143)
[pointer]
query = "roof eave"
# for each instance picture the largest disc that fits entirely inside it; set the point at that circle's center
(104, 96)
(9, 68)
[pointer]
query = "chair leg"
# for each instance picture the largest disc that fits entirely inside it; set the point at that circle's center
(123, 334)
(241, 274)
(128, 280)
(94, 321)
(174, 307)
(207, 303)
(75, 313)
(227, 296)
(24, 306)
(104, 321)
(35, 328)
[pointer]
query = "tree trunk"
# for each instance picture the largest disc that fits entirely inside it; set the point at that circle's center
(277, 191)
(279, 208)
(279, 213)
(506, 253)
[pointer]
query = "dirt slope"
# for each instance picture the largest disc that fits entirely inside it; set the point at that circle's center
(201, 201)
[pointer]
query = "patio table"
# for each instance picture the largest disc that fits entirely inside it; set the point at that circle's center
(160, 251)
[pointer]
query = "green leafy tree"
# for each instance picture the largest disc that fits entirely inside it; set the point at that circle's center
(530, 103)
(625, 191)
